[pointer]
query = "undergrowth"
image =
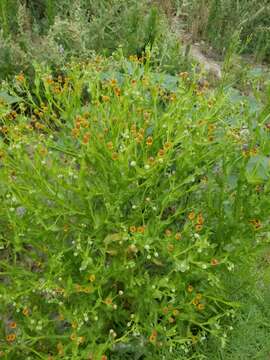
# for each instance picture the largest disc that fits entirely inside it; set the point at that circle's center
(52, 32)
(216, 21)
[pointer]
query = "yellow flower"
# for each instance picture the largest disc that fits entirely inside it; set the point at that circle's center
(110, 145)
(115, 156)
(11, 337)
(161, 152)
(170, 247)
(167, 145)
(92, 277)
(105, 98)
(75, 132)
(190, 288)
(25, 311)
(168, 232)
(149, 141)
(73, 336)
(191, 215)
(108, 301)
(201, 307)
(132, 229)
(178, 236)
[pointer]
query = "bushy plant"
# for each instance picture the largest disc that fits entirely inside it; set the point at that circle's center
(52, 32)
(126, 196)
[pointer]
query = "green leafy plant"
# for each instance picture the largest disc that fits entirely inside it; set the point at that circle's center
(127, 196)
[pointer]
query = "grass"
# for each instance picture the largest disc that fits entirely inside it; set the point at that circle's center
(217, 21)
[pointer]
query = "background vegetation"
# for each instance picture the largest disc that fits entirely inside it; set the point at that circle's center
(217, 21)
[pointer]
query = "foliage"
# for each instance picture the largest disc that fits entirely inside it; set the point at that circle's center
(218, 20)
(128, 198)
(53, 32)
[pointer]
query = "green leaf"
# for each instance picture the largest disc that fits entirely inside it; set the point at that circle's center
(8, 99)
(257, 169)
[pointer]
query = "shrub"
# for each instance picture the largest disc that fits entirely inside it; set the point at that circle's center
(77, 29)
(127, 195)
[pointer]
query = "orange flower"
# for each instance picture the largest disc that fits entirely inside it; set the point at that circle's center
(115, 156)
(198, 227)
(113, 82)
(110, 145)
(149, 141)
(104, 357)
(200, 219)
(161, 152)
(86, 138)
(178, 236)
(105, 98)
(108, 301)
(191, 215)
(214, 262)
(153, 336)
(117, 91)
(167, 145)
(11, 337)
(20, 77)
(140, 229)
(12, 325)
(132, 229)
